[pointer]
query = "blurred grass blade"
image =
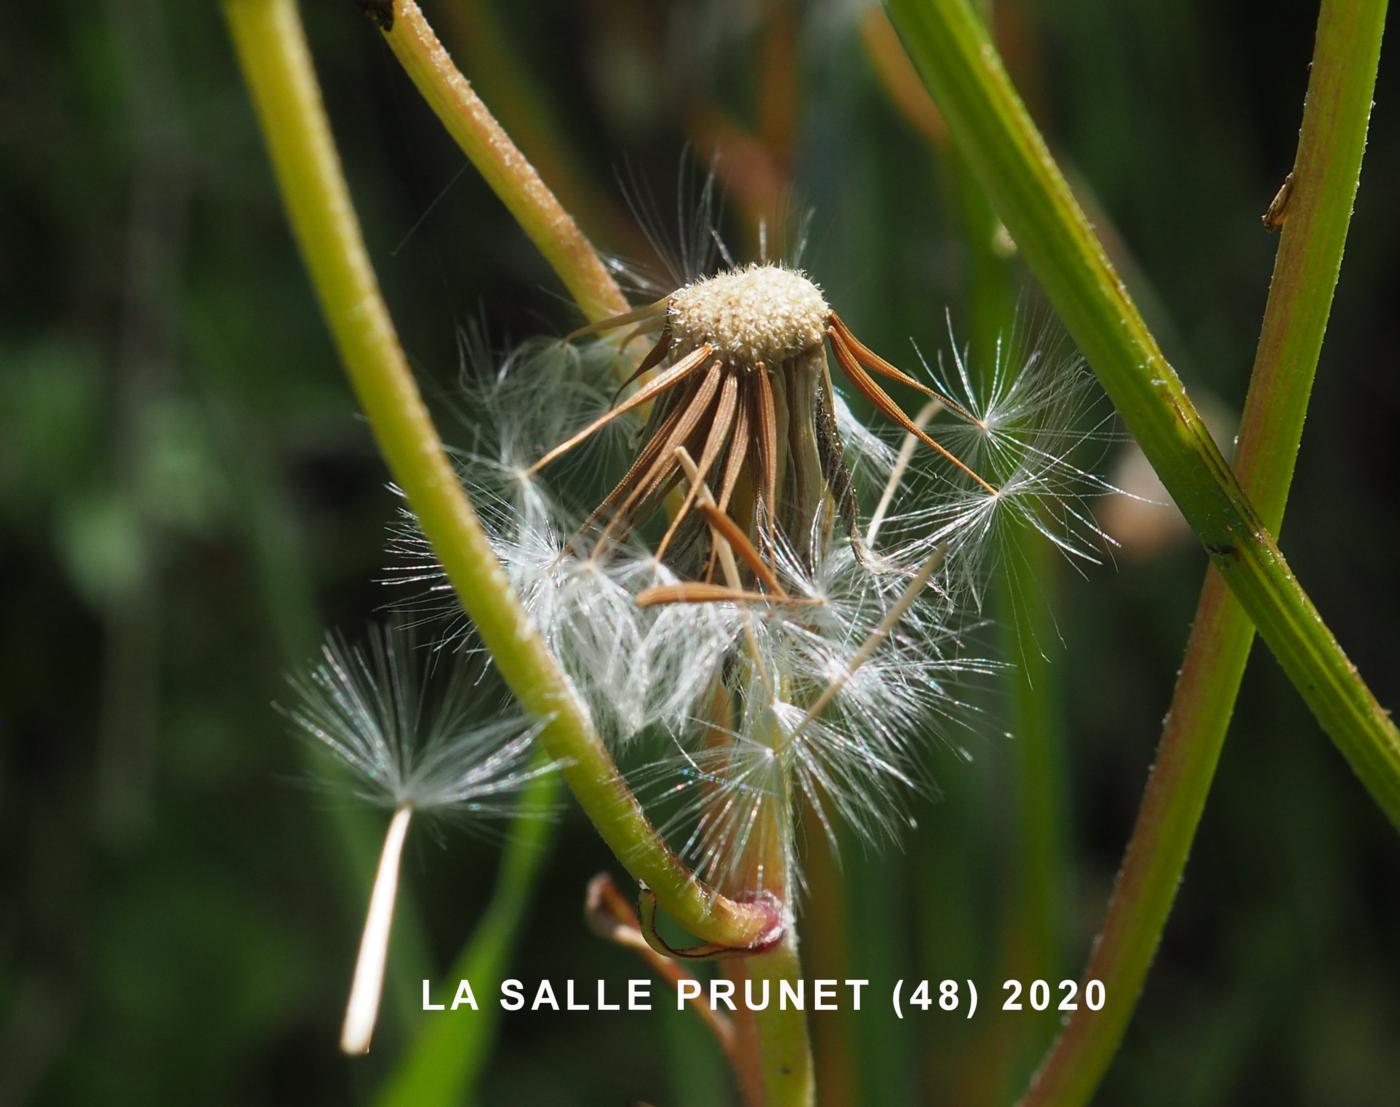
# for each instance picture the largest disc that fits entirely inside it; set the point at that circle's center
(267, 525)
(444, 1064)
(991, 127)
(478, 33)
(1027, 592)
(1325, 174)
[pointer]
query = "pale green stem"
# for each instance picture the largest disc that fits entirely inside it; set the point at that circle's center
(1325, 177)
(500, 162)
(276, 63)
(784, 1051)
(990, 125)
(784, 1047)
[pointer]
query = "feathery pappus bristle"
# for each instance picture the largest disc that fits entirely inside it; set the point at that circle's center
(408, 730)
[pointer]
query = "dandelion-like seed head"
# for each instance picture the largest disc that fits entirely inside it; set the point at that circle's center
(777, 586)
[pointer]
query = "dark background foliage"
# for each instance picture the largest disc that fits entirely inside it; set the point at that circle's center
(187, 499)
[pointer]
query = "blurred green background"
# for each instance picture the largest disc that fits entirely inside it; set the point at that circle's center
(187, 499)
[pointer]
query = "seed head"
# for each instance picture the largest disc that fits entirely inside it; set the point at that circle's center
(725, 590)
(762, 313)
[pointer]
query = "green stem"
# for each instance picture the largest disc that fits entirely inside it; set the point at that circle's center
(990, 125)
(781, 1035)
(1305, 275)
(446, 1059)
(484, 43)
(500, 163)
(784, 1052)
(276, 63)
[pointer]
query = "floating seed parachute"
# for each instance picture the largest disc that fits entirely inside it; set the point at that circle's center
(411, 745)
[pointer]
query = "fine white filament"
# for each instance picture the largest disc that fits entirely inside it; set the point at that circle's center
(363, 1007)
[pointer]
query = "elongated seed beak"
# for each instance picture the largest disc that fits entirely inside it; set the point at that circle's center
(362, 1009)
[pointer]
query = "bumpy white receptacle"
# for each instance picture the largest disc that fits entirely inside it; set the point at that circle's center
(763, 313)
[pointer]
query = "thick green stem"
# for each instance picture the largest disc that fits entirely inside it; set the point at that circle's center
(785, 1054)
(1324, 185)
(783, 1046)
(990, 125)
(277, 66)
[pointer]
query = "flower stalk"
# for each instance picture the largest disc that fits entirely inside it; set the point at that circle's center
(499, 161)
(1325, 178)
(272, 51)
(785, 1054)
(950, 47)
